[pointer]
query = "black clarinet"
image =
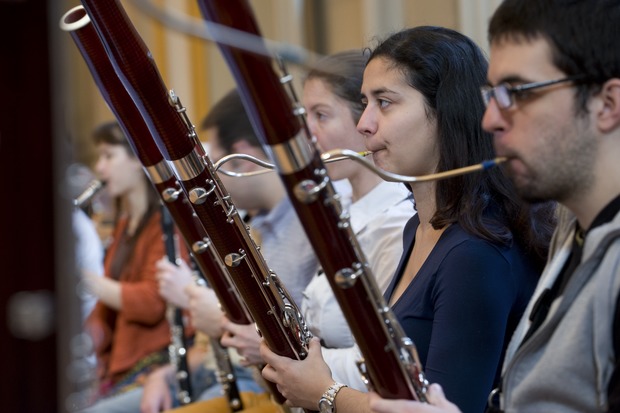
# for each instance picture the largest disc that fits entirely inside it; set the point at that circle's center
(177, 349)
(225, 374)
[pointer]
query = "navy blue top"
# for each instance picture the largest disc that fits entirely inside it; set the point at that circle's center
(461, 309)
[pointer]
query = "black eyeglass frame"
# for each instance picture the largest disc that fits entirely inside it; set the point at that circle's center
(489, 92)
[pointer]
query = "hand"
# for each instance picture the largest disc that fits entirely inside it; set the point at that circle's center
(156, 396)
(173, 280)
(107, 290)
(204, 310)
(245, 339)
(302, 382)
(88, 282)
(437, 403)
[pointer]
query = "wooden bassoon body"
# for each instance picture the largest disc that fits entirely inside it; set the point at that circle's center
(391, 364)
(172, 136)
(78, 24)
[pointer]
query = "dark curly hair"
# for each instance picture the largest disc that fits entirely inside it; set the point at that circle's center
(448, 69)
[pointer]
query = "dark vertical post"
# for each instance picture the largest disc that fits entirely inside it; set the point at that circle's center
(39, 311)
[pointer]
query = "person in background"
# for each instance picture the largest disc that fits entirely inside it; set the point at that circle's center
(88, 249)
(128, 324)
(274, 224)
(553, 107)
(472, 253)
(378, 210)
(88, 255)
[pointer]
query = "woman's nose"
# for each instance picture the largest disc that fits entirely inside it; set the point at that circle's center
(367, 126)
(311, 125)
(99, 166)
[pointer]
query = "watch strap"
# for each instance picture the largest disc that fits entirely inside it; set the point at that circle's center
(331, 393)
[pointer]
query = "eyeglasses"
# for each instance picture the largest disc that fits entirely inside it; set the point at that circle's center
(504, 94)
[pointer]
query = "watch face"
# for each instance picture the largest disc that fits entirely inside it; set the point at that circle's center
(325, 406)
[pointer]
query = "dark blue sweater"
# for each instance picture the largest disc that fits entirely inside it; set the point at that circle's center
(461, 308)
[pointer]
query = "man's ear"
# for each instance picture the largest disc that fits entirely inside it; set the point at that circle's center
(609, 115)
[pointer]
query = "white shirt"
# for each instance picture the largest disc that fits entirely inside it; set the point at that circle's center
(88, 254)
(378, 220)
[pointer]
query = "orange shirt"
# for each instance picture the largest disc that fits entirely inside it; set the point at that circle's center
(140, 328)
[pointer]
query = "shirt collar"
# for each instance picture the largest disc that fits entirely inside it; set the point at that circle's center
(607, 214)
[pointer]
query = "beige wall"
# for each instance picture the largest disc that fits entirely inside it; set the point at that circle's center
(197, 72)
(369, 20)
(432, 12)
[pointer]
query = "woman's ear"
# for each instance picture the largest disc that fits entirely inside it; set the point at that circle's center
(609, 114)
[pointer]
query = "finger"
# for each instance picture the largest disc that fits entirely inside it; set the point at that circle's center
(243, 362)
(228, 340)
(269, 373)
(163, 277)
(192, 291)
(379, 405)
(161, 261)
(163, 264)
(265, 352)
(231, 327)
(199, 293)
(314, 347)
(191, 306)
(435, 395)
(270, 357)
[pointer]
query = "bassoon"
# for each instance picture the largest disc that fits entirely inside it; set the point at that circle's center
(391, 364)
(277, 317)
(78, 24)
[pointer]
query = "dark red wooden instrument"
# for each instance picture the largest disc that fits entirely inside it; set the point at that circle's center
(274, 312)
(87, 40)
(390, 358)
(85, 37)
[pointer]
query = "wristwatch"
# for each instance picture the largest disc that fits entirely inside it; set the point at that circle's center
(326, 403)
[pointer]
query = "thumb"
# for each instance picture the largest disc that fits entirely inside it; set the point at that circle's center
(161, 261)
(163, 264)
(314, 347)
(232, 328)
(436, 396)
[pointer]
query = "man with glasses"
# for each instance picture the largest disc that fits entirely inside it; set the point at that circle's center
(553, 106)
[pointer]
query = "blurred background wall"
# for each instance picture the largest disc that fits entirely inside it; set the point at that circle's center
(194, 68)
